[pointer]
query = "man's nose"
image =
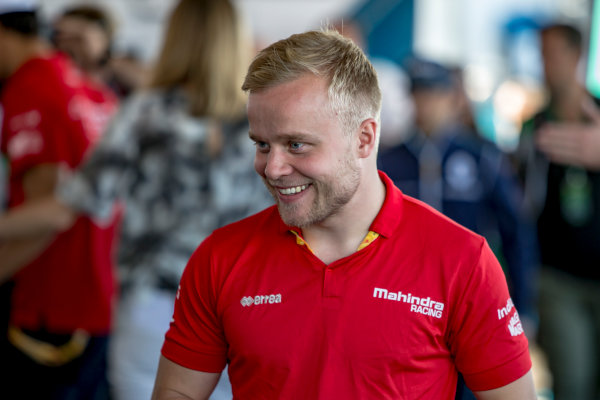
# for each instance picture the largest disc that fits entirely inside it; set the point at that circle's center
(277, 165)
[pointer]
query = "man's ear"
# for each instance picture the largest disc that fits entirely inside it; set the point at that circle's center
(367, 138)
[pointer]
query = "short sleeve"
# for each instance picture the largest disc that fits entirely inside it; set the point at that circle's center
(37, 130)
(195, 338)
(487, 339)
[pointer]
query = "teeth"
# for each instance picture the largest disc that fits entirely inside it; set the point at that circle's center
(293, 190)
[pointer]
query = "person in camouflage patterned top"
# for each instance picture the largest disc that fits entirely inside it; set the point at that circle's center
(176, 186)
(177, 159)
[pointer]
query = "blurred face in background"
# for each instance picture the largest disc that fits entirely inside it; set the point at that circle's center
(5, 71)
(560, 61)
(434, 108)
(84, 41)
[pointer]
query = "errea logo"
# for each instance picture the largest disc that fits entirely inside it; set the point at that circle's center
(247, 301)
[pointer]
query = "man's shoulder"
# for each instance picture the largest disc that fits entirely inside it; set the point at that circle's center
(50, 78)
(442, 247)
(435, 230)
(52, 66)
(407, 218)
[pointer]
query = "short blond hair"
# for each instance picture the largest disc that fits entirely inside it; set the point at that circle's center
(353, 89)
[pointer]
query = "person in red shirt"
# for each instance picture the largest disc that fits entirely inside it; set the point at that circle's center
(86, 33)
(62, 301)
(346, 288)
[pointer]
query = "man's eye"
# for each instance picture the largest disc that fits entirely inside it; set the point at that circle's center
(261, 146)
(296, 145)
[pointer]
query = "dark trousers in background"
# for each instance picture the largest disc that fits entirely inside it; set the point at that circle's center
(5, 292)
(84, 378)
(569, 333)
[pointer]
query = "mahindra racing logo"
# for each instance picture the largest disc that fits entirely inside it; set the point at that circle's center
(419, 305)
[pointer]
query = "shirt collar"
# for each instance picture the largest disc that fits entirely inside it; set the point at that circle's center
(390, 214)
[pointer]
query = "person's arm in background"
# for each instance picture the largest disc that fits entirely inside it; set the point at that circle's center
(25, 237)
(46, 215)
(91, 189)
(15, 254)
(571, 143)
(174, 382)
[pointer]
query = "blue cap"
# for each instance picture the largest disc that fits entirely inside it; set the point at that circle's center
(426, 74)
(10, 6)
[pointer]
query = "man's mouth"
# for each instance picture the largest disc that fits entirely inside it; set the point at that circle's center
(293, 189)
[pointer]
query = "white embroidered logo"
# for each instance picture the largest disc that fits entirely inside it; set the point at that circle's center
(27, 141)
(247, 301)
(421, 305)
(504, 311)
(514, 324)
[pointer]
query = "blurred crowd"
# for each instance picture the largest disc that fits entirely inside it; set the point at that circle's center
(114, 170)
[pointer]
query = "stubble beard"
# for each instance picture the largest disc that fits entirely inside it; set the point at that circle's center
(329, 197)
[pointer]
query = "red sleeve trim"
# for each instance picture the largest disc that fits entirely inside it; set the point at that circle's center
(193, 360)
(502, 375)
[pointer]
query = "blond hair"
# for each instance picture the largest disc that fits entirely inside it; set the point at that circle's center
(205, 51)
(353, 90)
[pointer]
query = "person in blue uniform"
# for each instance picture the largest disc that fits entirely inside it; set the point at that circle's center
(446, 163)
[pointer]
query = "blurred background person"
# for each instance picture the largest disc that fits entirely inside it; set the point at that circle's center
(179, 159)
(62, 301)
(451, 167)
(447, 164)
(559, 155)
(85, 32)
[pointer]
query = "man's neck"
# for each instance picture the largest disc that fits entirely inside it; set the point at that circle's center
(567, 102)
(341, 234)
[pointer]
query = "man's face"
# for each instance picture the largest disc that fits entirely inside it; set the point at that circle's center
(560, 60)
(304, 156)
(5, 54)
(84, 41)
(433, 108)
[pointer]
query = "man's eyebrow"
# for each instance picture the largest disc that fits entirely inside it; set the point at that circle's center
(252, 136)
(289, 136)
(255, 136)
(297, 136)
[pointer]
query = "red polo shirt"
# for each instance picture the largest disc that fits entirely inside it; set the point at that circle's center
(395, 319)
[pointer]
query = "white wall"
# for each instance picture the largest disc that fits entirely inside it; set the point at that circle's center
(140, 22)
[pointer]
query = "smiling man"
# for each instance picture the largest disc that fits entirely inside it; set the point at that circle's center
(346, 288)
